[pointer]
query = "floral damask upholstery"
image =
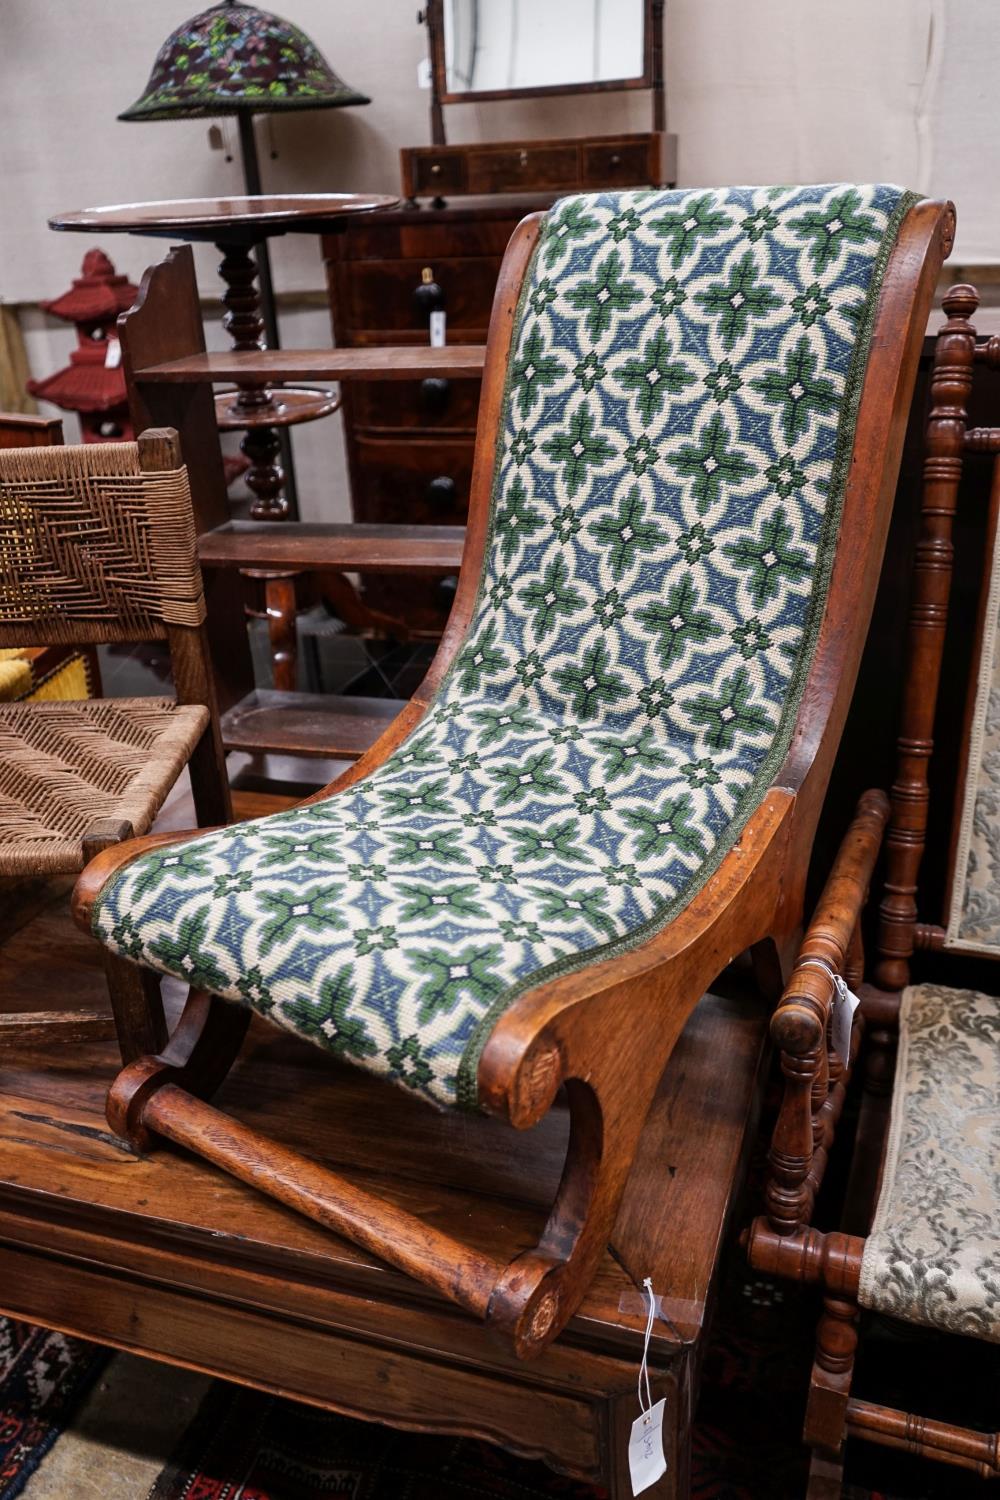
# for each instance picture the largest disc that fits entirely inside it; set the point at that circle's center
(974, 915)
(678, 419)
(933, 1256)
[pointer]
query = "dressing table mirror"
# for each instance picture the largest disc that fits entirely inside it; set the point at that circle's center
(509, 49)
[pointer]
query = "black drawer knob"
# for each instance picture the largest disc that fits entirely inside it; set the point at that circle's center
(434, 393)
(446, 591)
(441, 493)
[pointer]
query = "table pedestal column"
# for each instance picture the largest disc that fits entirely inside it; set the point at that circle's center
(259, 412)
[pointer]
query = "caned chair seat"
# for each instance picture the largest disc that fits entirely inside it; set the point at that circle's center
(933, 1256)
(64, 766)
(679, 414)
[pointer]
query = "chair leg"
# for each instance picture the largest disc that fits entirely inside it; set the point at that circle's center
(830, 1381)
(202, 1048)
(826, 1476)
(210, 781)
(540, 1289)
(137, 1006)
(530, 1298)
(136, 1002)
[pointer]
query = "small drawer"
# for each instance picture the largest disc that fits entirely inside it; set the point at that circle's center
(438, 172)
(502, 169)
(413, 482)
(617, 164)
(430, 405)
(379, 294)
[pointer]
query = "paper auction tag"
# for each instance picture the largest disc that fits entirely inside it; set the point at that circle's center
(646, 1463)
(845, 1003)
(438, 327)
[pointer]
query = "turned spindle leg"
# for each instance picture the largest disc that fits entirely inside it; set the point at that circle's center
(951, 382)
(254, 402)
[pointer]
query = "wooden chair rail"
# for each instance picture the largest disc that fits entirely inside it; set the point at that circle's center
(961, 1447)
(416, 362)
(815, 1076)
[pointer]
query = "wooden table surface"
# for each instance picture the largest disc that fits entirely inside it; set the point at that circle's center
(205, 218)
(167, 1257)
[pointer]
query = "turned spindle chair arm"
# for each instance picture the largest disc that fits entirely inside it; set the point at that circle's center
(815, 1076)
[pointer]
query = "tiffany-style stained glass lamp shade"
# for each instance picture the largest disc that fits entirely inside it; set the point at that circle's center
(235, 59)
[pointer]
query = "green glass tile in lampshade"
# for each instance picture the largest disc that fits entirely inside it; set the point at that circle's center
(235, 57)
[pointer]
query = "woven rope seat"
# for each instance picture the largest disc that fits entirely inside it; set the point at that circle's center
(933, 1256)
(679, 412)
(63, 766)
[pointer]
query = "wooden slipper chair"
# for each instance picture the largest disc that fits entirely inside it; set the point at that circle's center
(607, 787)
(926, 1167)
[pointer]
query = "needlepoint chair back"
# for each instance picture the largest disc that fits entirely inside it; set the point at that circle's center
(92, 548)
(644, 671)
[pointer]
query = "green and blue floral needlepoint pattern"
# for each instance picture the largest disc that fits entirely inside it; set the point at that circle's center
(677, 424)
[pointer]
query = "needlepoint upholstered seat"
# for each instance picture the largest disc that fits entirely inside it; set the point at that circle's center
(663, 461)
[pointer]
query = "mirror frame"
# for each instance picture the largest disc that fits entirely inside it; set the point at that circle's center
(434, 16)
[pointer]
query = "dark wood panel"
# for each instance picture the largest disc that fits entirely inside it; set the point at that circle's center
(443, 172)
(315, 724)
(407, 362)
(319, 545)
(483, 228)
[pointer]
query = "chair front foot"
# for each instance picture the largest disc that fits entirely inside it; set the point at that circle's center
(832, 1371)
(529, 1303)
(202, 1048)
(540, 1290)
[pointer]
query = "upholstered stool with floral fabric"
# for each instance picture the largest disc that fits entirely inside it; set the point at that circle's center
(933, 1254)
(610, 739)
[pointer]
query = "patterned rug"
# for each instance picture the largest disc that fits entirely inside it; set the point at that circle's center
(43, 1377)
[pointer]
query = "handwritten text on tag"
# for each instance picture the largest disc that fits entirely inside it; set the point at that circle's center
(646, 1463)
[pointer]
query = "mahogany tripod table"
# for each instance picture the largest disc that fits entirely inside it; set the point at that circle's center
(235, 226)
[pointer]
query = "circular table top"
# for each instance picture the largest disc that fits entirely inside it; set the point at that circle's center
(246, 219)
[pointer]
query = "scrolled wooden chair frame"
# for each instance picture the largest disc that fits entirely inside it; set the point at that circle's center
(604, 1034)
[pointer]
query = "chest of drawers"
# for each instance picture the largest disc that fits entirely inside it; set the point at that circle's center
(410, 444)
